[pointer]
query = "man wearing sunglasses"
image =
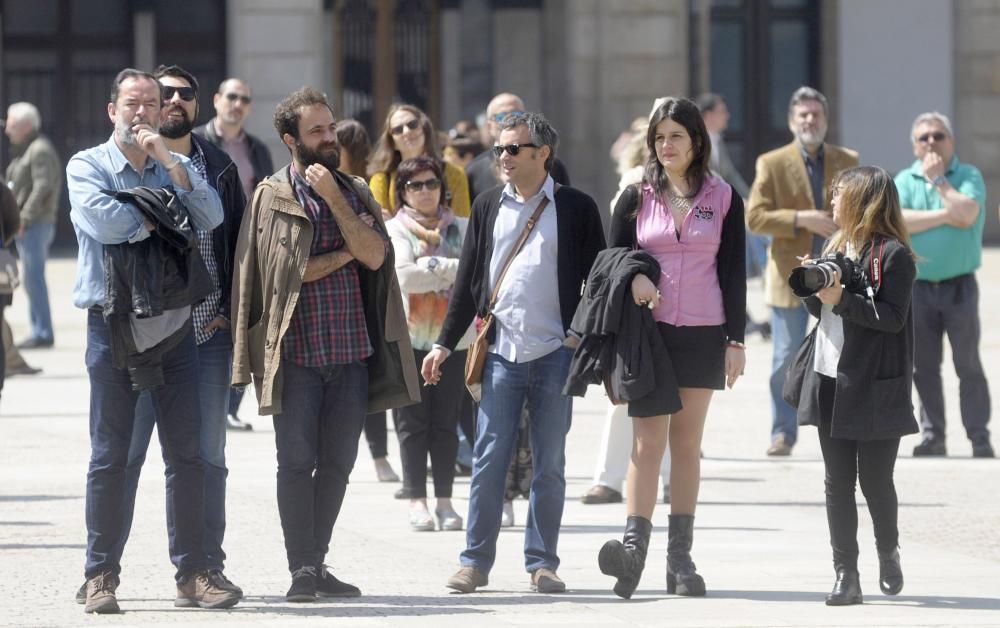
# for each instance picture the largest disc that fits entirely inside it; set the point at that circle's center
(210, 319)
(530, 350)
(481, 171)
(944, 203)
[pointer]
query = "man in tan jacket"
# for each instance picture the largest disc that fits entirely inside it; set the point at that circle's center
(318, 323)
(789, 201)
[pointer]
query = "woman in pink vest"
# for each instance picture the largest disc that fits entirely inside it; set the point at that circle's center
(692, 223)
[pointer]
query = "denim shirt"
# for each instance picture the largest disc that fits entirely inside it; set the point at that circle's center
(99, 219)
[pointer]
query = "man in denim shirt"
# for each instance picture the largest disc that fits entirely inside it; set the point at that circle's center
(137, 155)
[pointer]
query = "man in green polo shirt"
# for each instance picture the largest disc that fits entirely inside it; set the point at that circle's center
(943, 203)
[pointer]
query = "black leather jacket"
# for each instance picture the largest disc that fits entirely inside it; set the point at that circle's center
(146, 278)
(222, 175)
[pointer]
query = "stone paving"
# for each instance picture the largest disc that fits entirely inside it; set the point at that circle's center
(761, 539)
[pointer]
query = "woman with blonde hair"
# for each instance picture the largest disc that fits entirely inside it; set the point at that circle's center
(858, 369)
(406, 134)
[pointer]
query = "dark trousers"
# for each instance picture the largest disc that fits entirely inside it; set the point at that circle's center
(316, 434)
(871, 463)
(178, 421)
(3, 349)
(431, 426)
(949, 307)
(377, 435)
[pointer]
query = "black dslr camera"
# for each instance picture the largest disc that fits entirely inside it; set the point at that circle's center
(808, 279)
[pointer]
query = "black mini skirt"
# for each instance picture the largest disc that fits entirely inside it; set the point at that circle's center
(698, 354)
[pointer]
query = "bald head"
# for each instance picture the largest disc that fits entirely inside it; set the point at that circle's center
(501, 104)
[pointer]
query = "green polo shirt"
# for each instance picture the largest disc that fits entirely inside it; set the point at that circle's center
(945, 251)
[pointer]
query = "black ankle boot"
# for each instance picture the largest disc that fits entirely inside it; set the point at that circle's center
(846, 589)
(890, 574)
(682, 578)
(625, 560)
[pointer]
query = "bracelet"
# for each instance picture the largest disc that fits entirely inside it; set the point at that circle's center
(736, 345)
(173, 164)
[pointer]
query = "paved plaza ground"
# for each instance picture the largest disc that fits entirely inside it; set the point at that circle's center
(761, 538)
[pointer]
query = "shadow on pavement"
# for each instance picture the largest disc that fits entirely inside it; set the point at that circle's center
(915, 601)
(25, 523)
(799, 504)
(617, 529)
(41, 546)
(37, 498)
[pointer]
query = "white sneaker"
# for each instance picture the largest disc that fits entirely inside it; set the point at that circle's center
(507, 518)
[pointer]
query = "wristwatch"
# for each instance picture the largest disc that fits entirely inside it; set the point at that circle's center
(432, 263)
(939, 180)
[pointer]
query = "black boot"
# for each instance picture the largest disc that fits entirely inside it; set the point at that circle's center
(682, 578)
(625, 560)
(846, 589)
(890, 574)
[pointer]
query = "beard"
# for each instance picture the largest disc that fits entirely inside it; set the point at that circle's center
(812, 138)
(173, 129)
(124, 133)
(326, 155)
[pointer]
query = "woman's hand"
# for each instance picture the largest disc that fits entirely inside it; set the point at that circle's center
(644, 292)
(831, 295)
(736, 361)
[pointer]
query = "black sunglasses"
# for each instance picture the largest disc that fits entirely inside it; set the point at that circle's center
(412, 125)
(937, 135)
(512, 149)
(430, 184)
(231, 97)
(168, 91)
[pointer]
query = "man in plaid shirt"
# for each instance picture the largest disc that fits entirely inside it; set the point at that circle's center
(315, 302)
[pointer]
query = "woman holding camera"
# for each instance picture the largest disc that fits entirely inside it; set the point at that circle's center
(692, 223)
(856, 385)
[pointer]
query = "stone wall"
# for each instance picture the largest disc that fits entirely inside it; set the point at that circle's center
(977, 97)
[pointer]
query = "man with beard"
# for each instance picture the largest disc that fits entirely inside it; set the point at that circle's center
(789, 201)
(137, 155)
(318, 323)
(210, 319)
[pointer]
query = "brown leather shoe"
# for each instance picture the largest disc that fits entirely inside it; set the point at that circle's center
(101, 593)
(779, 447)
(200, 590)
(546, 581)
(600, 494)
(467, 579)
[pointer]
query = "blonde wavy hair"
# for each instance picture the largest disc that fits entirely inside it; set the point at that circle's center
(868, 206)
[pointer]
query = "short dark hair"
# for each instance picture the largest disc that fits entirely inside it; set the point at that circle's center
(685, 113)
(409, 168)
(354, 145)
(540, 130)
(126, 74)
(286, 115)
(178, 72)
(708, 102)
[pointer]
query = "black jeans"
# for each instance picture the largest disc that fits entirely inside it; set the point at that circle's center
(377, 435)
(871, 463)
(431, 426)
(317, 436)
(949, 307)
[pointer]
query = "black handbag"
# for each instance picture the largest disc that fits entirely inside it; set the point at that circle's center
(798, 368)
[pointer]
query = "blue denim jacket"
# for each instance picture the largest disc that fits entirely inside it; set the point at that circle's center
(99, 219)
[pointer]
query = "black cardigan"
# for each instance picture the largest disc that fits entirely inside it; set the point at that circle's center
(875, 371)
(581, 237)
(730, 261)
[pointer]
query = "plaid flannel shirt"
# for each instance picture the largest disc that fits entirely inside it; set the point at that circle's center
(206, 311)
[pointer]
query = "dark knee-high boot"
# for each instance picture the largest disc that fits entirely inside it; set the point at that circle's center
(626, 559)
(682, 578)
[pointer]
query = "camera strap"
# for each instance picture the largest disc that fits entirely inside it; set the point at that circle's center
(875, 264)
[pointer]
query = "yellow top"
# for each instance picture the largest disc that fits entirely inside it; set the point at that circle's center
(383, 187)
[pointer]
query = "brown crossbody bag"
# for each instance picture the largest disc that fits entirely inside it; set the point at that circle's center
(476, 356)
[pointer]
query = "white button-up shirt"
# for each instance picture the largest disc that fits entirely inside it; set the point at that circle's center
(528, 318)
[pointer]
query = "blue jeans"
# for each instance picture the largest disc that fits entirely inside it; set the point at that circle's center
(316, 434)
(214, 368)
(506, 388)
(756, 254)
(33, 248)
(112, 416)
(788, 329)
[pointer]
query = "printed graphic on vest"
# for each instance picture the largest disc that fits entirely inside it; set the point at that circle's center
(704, 213)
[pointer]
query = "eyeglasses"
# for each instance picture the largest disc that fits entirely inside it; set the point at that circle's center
(938, 136)
(187, 93)
(512, 149)
(431, 185)
(499, 117)
(233, 97)
(410, 124)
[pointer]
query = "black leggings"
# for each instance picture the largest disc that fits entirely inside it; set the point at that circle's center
(431, 426)
(871, 463)
(377, 435)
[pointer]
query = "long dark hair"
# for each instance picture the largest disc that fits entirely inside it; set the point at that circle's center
(685, 113)
(354, 145)
(387, 156)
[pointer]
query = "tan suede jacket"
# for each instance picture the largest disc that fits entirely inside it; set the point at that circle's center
(271, 256)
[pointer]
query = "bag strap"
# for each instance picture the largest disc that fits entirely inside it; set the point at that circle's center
(517, 249)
